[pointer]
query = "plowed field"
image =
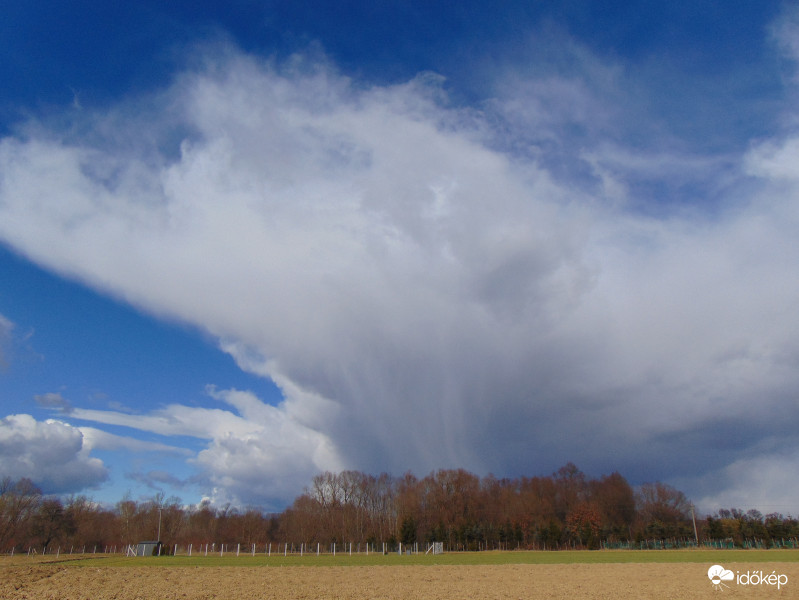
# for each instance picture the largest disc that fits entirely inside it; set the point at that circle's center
(617, 581)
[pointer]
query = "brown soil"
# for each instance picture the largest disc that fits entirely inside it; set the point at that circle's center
(617, 581)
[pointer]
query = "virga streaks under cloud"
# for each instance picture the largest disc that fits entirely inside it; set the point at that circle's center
(431, 284)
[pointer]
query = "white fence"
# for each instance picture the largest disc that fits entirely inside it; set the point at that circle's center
(239, 549)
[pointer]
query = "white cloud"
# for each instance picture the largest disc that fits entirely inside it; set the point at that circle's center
(764, 482)
(423, 298)
(257, 454)
(785, 32)
(174, 419)
(6, 328)
(53, 400)
(270, 464)
(775, 160)
(98, 439)
(50, 453)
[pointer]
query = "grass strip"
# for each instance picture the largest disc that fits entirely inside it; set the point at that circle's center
(453, 558)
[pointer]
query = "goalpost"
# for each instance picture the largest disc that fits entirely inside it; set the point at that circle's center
(435, 548)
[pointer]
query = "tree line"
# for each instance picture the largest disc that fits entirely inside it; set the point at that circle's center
(453, 506)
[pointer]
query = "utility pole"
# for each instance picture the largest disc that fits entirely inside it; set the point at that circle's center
(693, 518)
(159, 524)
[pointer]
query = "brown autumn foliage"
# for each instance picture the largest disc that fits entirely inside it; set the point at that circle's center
(454, 506)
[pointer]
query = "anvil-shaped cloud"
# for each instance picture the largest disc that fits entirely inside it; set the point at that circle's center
(422, 282)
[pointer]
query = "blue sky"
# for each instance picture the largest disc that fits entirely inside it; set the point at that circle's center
(244, 242)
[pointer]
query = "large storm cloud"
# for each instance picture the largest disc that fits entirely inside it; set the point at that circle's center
(432, 285)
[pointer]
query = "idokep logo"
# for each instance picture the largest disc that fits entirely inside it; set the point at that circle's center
(718, 575)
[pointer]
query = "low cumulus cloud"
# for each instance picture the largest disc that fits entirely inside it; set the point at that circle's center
(50, 453)
(427, 289)
(256, 452)
(271, 463)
